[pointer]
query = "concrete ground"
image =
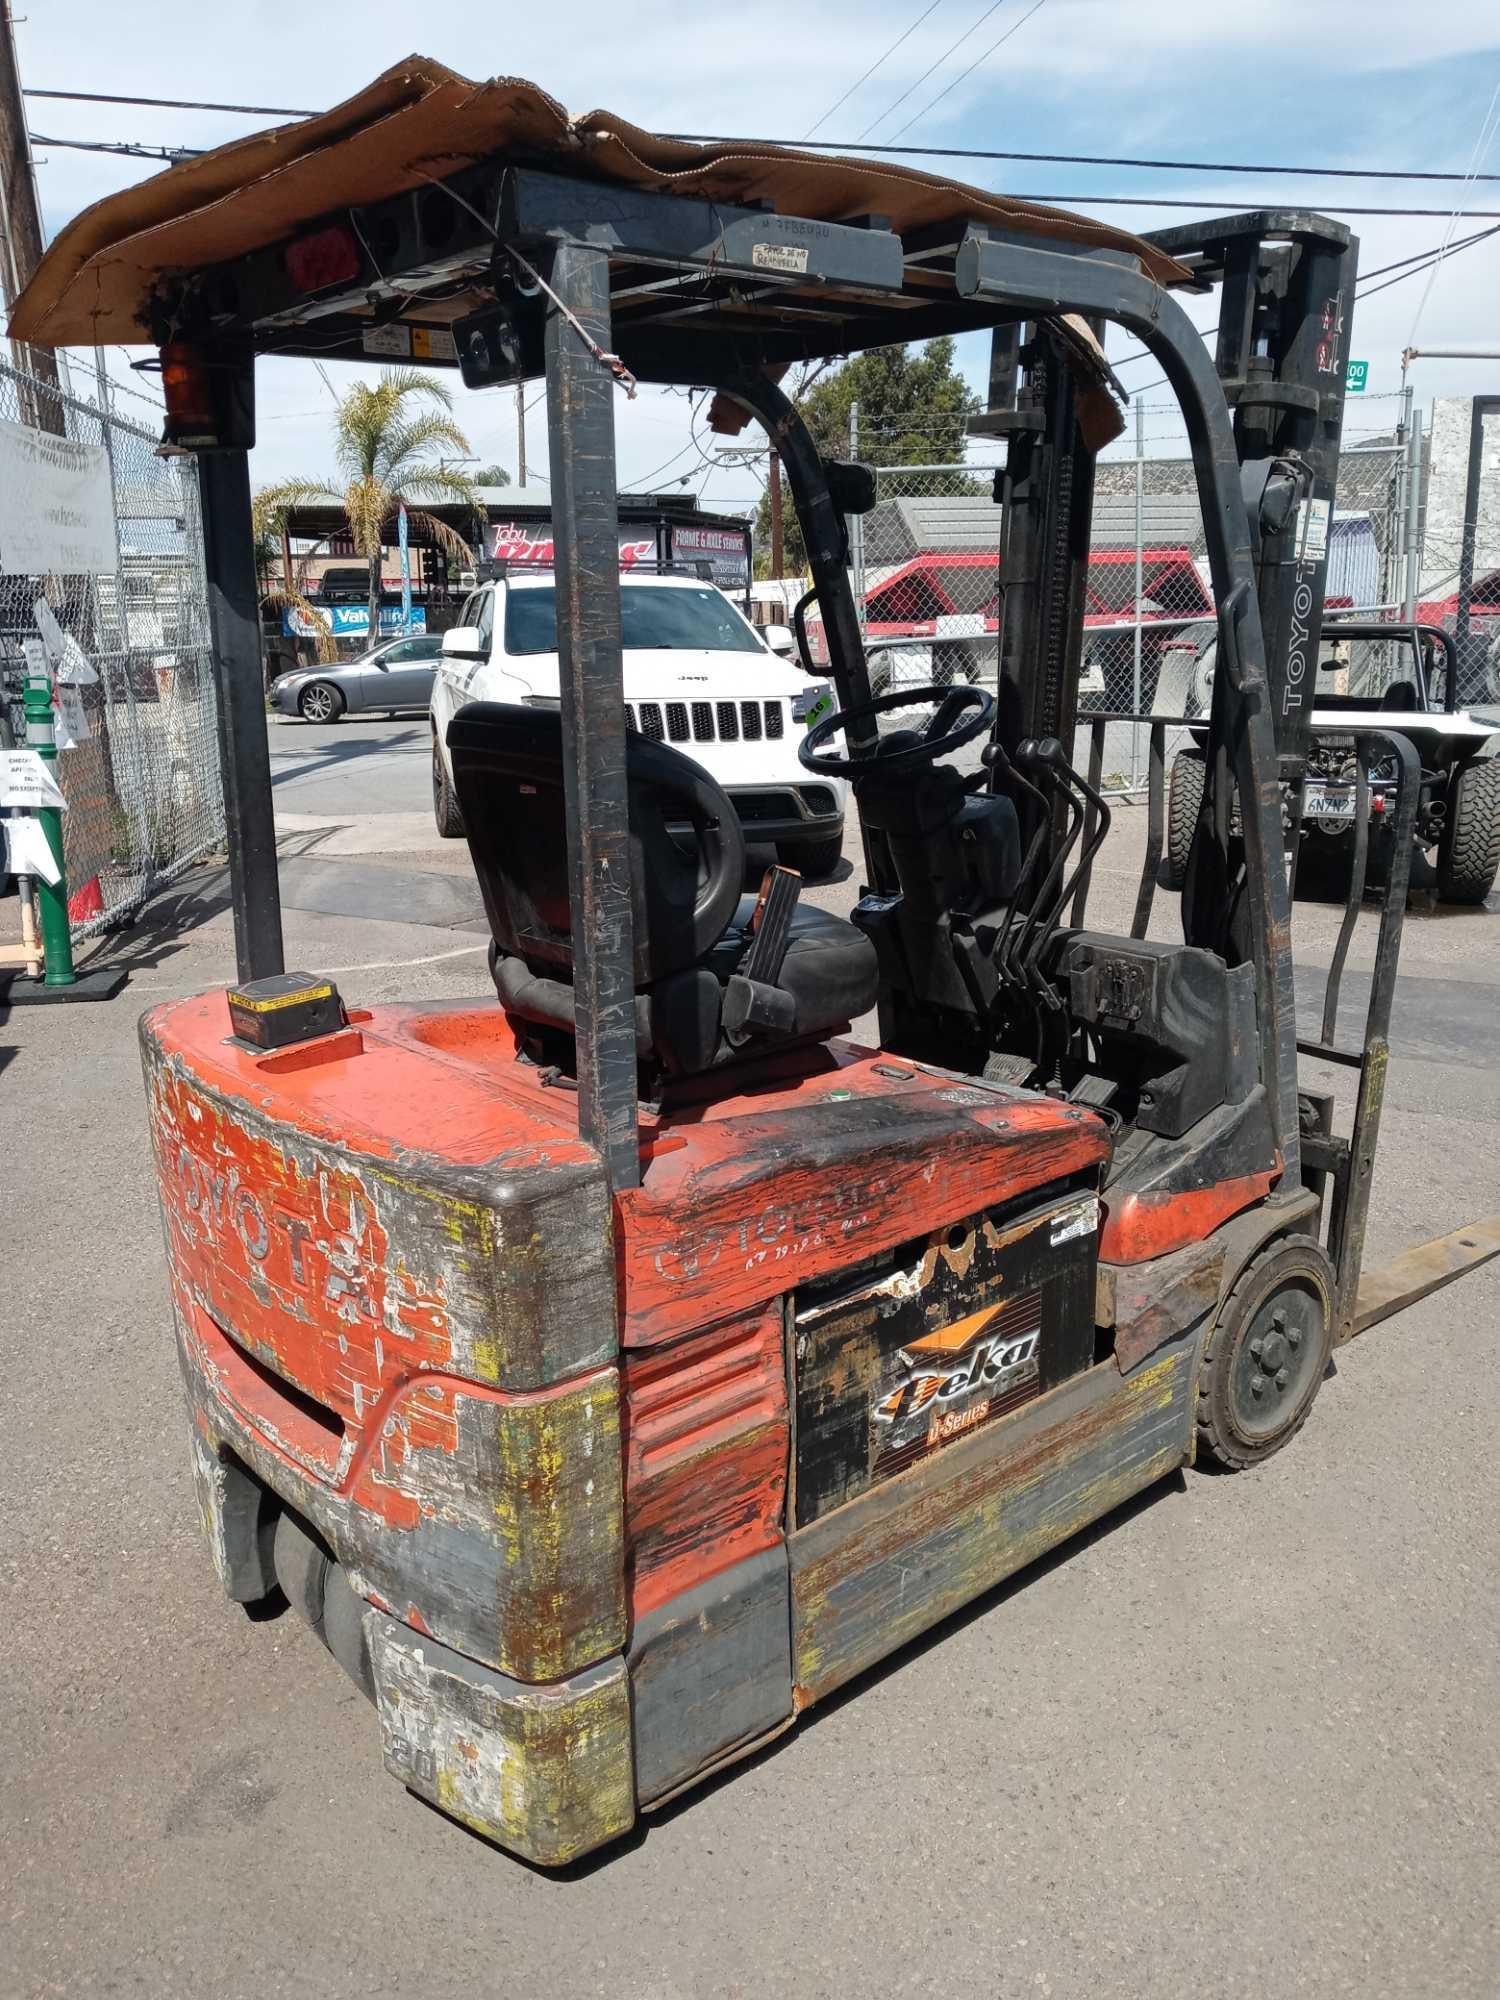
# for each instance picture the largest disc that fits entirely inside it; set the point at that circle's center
(1238, 1741)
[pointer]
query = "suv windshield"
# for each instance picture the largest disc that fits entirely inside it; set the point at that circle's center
(697, 619)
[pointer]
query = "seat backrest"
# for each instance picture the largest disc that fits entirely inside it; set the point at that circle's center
(1401, 696)
(687, 850)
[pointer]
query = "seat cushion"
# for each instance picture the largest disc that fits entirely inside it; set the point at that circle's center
(830, 968)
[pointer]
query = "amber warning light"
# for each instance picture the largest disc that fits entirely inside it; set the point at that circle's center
(210, 398)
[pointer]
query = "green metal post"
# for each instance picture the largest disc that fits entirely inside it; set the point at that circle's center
(52, 897)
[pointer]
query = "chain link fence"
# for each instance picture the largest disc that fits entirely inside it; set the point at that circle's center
(142, 779)
(1460, 567)
(926, 583)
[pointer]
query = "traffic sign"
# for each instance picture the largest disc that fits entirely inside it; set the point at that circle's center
(1355, 380)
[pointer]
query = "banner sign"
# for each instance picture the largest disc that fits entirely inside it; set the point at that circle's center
(724, 549)
(57, 508)
(510, 542)
(352, 621)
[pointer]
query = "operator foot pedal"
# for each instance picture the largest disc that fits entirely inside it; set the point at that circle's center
(771, 924)
(1001, 1067)
(752, 999)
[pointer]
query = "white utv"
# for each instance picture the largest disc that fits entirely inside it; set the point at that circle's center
(1401, 677)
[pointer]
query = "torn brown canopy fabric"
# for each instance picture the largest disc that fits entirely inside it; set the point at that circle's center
(420, 121)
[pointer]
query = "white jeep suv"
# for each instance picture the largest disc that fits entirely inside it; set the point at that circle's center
(697, 675)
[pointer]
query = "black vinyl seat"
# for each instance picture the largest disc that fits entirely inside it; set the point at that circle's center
(689, 914)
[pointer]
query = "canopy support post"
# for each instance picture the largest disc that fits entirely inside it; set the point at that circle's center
(244, 752)
(580, 396)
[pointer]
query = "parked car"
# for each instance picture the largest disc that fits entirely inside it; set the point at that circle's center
(697, 675)
(1398, 677)
(397, 675)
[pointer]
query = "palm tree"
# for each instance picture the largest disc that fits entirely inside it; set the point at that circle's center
(387, 450)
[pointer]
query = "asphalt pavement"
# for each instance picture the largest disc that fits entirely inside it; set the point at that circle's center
(1240, 1740)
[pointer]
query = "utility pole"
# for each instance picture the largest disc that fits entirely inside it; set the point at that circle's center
(20, 219)
(777, 555)
(520, 434)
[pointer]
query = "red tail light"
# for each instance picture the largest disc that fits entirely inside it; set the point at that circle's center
(327, 257)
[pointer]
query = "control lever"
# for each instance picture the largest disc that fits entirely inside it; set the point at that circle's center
(752, 997)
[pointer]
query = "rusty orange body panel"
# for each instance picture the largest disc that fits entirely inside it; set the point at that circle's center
(1141, 1226)
(546, 1437)
(706, 1442)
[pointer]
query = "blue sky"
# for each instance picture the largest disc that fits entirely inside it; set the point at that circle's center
(1278, 81)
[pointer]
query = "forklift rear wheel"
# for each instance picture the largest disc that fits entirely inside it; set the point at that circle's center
(302, 1566)
(1266, 1354)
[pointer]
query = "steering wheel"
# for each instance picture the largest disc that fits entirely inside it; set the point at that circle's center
(961, 713)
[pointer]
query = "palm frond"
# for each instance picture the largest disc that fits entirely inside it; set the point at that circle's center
(407, 445)
(448, 539)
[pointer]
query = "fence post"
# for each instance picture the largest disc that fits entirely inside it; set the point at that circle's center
(857, 526)
(1413, 517)
(52, 897)
(136, 808)
(1140, 584)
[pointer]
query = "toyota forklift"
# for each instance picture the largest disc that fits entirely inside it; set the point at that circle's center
(614, 1365)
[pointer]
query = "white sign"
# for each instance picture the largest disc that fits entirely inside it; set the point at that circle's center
(72, 723)
(1312, 530)
(27, 849)
(57, 510)
(26, 781)
(68, 659)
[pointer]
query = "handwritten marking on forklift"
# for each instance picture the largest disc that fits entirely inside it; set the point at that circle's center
(777, 1233)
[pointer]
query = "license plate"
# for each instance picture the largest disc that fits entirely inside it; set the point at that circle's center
(1329, 802)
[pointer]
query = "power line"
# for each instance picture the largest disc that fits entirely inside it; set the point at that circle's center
(1035, 8)
(1082, 159)
(881, 117)
(1482, 144)
(859, 145)
(871, 70)
(173, 103)
(126, 148)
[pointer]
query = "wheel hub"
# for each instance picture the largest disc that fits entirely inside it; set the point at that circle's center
(1273, 1371)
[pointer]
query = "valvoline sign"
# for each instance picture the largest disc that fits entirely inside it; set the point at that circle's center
(352, 621)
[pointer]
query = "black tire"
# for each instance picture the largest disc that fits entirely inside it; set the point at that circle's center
(1184, 800)
(344, 1630)
(320, 701)
(302, 1567)
(450, 821)
(1469, 853)
(1266, 1354)
(817, 859)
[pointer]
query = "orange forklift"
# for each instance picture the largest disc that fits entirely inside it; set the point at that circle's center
(612, 1366)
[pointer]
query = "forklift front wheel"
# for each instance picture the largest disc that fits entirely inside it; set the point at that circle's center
(1266, 1354)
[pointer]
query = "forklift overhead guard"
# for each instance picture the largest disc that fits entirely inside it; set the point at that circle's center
(610, 1366)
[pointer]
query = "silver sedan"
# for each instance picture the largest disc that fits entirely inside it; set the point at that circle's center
(394, 676)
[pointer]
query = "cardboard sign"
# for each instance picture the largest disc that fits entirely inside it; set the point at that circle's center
(57, 505)
(72, 721)
(68, 660)
(27, 850)
(26, 781)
